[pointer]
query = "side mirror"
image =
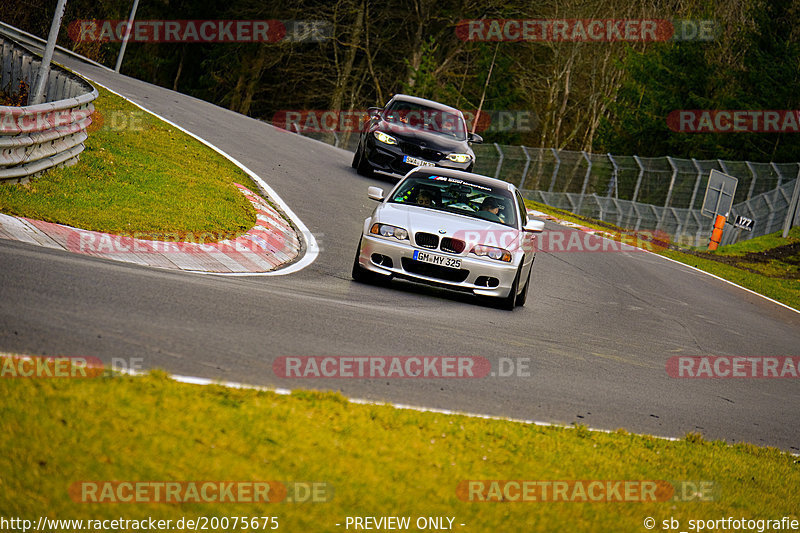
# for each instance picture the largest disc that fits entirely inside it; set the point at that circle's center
(534, 226)
(374, 111)
(376, 193)
(474, 138)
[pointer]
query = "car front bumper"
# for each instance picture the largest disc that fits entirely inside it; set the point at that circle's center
(479, 276)
(389, 158)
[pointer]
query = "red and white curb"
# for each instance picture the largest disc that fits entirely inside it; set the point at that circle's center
(567, 223)
(269, 244)
(312, 249)
(31, 233)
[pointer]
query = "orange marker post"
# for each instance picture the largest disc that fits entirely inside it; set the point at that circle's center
(716, 234)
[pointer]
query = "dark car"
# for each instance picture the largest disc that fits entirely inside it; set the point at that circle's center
(414, 132)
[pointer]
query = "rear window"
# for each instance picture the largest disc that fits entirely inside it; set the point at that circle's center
(454, 195)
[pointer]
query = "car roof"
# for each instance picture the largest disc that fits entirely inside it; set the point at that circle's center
(422, 101)
(466, 176)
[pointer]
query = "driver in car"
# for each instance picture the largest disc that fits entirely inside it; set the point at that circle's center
(424, 198)
(490, 209)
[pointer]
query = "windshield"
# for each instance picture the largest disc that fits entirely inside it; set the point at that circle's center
(420, 117)
(454, 195)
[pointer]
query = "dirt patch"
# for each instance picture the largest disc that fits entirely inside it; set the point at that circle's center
(789, 253)
(784, 257)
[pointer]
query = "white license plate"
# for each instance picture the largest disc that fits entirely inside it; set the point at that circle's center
(435, 259)
(417, 162)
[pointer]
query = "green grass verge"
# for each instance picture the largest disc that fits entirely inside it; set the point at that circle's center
(138, 174)
(376, 460)
(768, 265)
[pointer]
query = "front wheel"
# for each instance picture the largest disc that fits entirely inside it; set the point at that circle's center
(510, 302)
(356, 155)
(523, 296)
(362, 165)
(359, 273)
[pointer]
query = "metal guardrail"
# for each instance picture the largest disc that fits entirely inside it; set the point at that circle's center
(34, 138)
(686, 226)
(32, 41)
(647, 193)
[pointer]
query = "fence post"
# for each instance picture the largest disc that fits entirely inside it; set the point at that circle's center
(669, 193)
(638, 216)
(679, 230)
(778, 172)
(499, 161)
(128, 31)
(619, 211)
(585, 181)
(671, 181)
(690, 210)
(639, 179)
(37, 95)
(778, 186)
(614, 177)
(555, 170)
(752, 183)
(527, 165)
(696, 183)
(787, 224)
(771, 215)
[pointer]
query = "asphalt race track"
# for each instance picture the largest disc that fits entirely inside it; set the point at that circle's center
(598, 328)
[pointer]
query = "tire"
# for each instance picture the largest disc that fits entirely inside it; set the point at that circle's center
(354, 164)
(523, 296)
(510, 302)
(362, 165)
(359, 273)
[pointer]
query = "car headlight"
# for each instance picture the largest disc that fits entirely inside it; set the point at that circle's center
(385, 138)
(385, 230)
(460, 158)
(491, 252)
